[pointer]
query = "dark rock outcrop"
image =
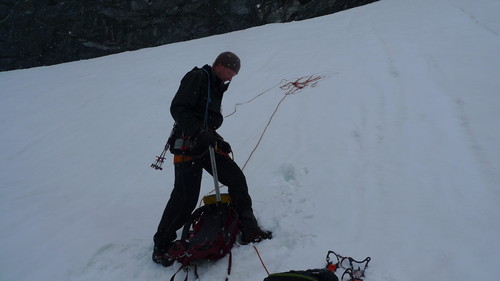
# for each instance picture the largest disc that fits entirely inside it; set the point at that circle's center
(45, 32)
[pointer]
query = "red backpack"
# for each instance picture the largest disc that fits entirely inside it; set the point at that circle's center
(209, 234)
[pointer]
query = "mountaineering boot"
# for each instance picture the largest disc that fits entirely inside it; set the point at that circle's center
(162, 257)
(250, 230)
(255, 235)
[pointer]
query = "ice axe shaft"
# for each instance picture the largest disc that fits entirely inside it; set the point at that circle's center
(214, 174)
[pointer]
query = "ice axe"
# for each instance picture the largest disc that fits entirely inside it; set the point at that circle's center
(215, 176)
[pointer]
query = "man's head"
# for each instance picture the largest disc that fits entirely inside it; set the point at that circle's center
(226, 66)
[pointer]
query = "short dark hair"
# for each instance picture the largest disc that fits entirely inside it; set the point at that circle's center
(229, 60)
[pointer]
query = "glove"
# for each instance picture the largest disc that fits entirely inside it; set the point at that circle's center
(224, 146)
(206, 138)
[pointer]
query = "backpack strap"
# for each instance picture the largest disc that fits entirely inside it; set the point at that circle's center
(196, 214)
(209, 99)
(186, 266)
(182, 267)
(229, 265)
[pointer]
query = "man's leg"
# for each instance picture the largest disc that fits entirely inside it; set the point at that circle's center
(232, 176)
(181, 204)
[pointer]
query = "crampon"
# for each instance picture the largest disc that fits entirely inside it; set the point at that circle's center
(353, 269)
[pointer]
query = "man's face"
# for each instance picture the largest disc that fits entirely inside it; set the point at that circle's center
(224, 73)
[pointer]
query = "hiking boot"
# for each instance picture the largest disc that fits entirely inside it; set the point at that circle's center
(162, 257)
(255, 236)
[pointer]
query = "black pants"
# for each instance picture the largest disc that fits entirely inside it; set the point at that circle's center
(184, 196)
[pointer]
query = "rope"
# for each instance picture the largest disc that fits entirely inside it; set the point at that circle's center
(261, 261)
(291, 87)
(252, 99)
(264, 131)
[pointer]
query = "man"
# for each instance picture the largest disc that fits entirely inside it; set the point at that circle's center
(196, 111)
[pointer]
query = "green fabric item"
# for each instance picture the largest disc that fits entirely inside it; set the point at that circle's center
(293, 275)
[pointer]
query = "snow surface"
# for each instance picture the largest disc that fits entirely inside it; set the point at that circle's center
(394, 154)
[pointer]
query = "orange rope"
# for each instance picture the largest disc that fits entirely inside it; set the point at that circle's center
(291, 87)
(260, 258)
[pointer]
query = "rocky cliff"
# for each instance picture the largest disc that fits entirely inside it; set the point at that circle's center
(45, 32)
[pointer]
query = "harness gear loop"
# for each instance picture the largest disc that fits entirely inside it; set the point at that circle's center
(157, 165)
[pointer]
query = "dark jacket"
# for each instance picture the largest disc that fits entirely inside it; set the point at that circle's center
(189, 106)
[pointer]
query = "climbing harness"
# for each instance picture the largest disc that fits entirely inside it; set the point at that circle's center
(349, 265)
(157, 165)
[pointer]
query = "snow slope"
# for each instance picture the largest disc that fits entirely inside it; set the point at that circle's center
(394, 154)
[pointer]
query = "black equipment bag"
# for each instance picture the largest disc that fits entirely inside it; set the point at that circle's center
(322, 274)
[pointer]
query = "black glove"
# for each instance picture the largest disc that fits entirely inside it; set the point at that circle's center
(206, 138)
(224, 146)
